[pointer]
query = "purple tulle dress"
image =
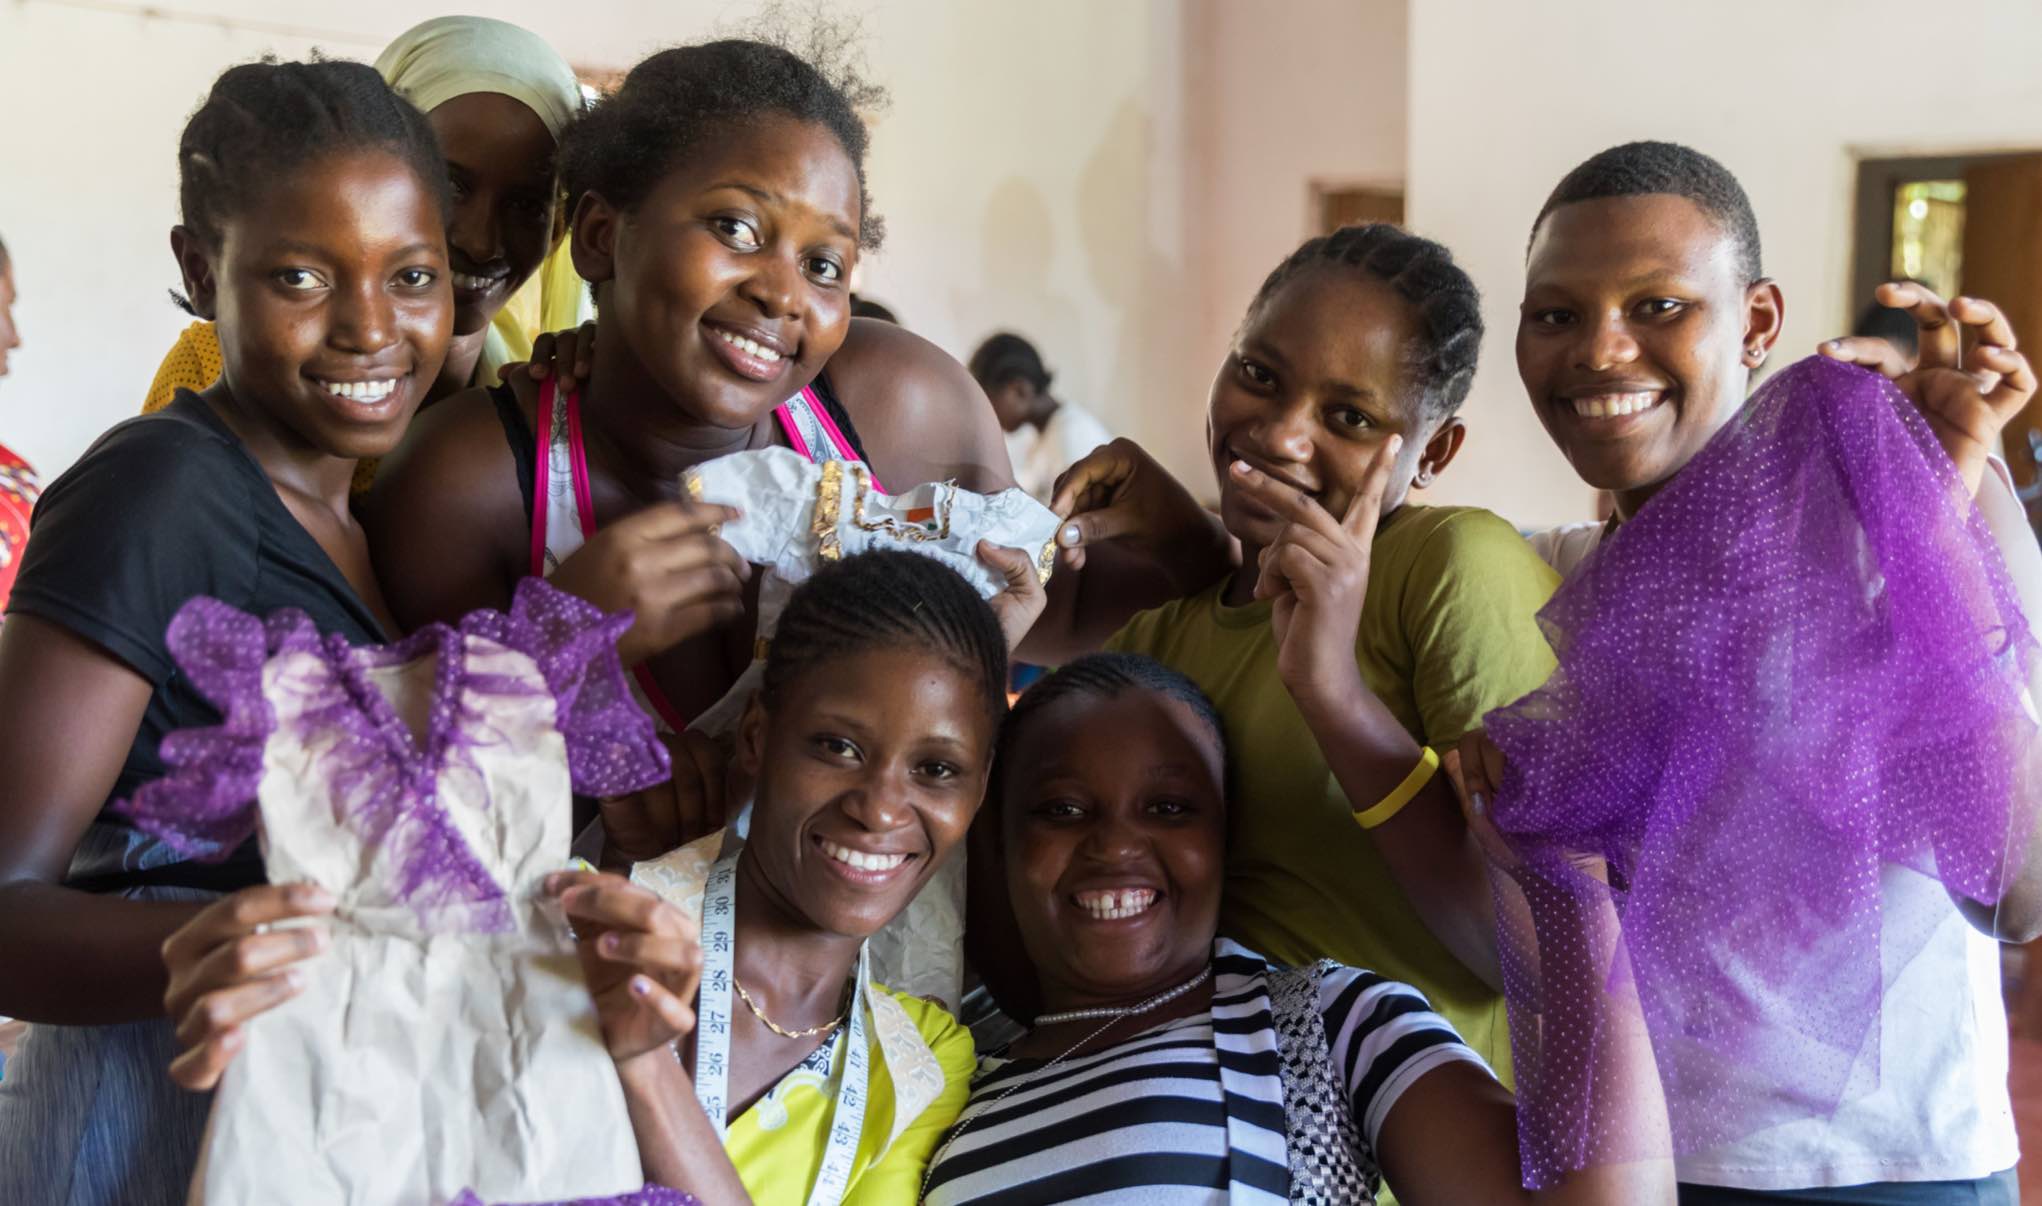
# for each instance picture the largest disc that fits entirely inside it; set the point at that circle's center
(446, 1041)
(1799, 666)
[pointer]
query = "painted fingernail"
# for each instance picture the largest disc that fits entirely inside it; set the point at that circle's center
(1242, 467)
(640, 986)
(294, 979)
(1479, 803)
(553, 882)
(1070, 535)
(609, 943)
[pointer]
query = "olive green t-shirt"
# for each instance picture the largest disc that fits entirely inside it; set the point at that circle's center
(1448, 632)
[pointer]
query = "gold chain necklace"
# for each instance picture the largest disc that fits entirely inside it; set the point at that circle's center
(780, 1030)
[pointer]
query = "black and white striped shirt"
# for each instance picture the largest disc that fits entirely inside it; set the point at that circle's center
(1147, 1120)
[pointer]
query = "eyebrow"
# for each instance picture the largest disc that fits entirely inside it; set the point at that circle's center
(771, 198)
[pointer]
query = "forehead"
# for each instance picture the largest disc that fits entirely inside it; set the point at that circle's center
(348, 198)
(798, 162)
(1336, 322)
(903, 688)
(1611, 241)
(491, 130)
(1132, 733)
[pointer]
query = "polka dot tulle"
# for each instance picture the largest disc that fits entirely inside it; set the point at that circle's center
(651, 1195)
(385, 782)
(1800, 666)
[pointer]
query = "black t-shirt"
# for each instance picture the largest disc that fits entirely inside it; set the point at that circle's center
(161, 509)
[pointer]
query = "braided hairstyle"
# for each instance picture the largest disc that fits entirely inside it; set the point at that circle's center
(1423, 273)
(261, 120)
(632, 138)
(1008, 357)
(1638, 169)
(888, 599)
(1104, 676)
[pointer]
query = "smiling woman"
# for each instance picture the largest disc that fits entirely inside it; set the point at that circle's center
(870, 743)
(498, 98)
(314, 209)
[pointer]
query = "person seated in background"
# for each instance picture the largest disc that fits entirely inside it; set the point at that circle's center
(1045, 434)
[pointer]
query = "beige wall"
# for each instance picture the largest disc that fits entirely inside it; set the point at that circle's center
(1505, 98)
(1282, 94)
(1032, 168)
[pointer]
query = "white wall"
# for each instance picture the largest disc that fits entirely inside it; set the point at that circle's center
(1505, 98)
(1032, 168)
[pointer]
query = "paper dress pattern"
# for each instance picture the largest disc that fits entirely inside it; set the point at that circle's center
(800, 514)
(446, 1041)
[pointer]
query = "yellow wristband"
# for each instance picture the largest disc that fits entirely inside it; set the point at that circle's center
(1392, 804)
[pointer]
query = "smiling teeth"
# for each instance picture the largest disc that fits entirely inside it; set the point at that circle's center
(1112, 906)
(361, 391)
(858, 860)
(1610, 406)
(750, 347)
(472, 284)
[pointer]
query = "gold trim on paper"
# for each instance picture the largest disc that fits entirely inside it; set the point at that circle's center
(892, 526)
(829, 495)
(1046, 563)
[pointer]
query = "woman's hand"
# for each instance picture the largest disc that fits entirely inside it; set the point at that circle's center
(668, 567)
(1316, 572)
(228, 965)
(567, 355)
(1021, 602)
(1967, 380)
(1119, 492)
(642, 958)
(669, 815)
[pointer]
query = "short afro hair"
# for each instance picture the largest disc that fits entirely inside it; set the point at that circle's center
(1638, 169)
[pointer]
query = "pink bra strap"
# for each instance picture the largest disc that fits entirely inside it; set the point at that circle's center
(542, 473)
(814, 405)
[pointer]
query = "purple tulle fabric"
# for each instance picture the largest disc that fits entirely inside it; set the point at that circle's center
(1801, 664)
(384, 782)
(651, 1195)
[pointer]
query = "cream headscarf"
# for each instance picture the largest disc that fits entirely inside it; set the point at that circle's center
(438, 60)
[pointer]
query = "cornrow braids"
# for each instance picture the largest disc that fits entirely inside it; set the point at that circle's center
(623, 147)
(263, 119)
(1638, 169)
(888, 599)
(1104, 676)
(1423, 273)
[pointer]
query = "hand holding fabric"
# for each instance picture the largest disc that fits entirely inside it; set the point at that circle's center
(228, 965)
(1968, 381)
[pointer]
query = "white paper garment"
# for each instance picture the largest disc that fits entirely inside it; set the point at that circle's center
(446, 1041)
(797, 515)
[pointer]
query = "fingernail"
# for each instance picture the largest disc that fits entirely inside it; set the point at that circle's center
(1069, 535)
(1396, 442)
(1479, 803)
(1835, 343)
(294, 979)
(640, 986)
(321, 939)
(553, 883)
(609, 943)
(312, 896)
(1242, 467)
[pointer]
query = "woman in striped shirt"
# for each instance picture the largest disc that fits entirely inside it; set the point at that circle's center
(1171, 1068)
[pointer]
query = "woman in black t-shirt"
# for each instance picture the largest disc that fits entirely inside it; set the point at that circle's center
(314, 214)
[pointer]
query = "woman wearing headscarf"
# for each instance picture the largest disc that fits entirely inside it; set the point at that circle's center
(498, 98)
